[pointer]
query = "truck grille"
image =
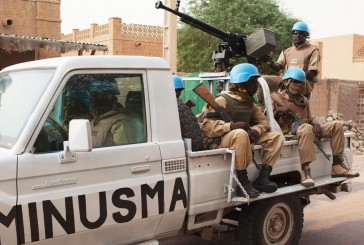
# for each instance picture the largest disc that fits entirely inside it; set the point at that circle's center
(174, 165)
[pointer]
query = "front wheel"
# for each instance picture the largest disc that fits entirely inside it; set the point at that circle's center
(277, 220)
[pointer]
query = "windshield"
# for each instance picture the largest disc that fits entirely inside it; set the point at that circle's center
(20, 92)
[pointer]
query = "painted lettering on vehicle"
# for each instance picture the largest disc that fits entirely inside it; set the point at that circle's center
(121, 202)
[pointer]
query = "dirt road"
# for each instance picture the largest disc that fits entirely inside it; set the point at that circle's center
(339, 221)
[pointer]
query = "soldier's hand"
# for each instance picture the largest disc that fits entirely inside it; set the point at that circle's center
(242, 125)
(280, 111)
(284, 109)
(317, 130)
(267, 59)
(253, 136)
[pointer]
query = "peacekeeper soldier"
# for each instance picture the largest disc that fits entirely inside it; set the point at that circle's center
(111, 125)
(179, 87)
(301, 54)
(77, 106)
(249, 127)
(290, 100)
(189, 125)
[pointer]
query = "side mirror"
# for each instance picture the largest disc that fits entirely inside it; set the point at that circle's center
(79, 139)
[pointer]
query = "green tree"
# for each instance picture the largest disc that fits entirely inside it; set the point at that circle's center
(195, 47)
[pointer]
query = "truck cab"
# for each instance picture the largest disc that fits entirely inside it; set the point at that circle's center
(96, 196)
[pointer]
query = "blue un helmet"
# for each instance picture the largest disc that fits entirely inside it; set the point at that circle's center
(300, 26)
(243, 72)
(295, 73)
(106, 85)
(178, 83)
(81, 95)
(77, 104)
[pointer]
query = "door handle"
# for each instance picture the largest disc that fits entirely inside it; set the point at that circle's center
(142, 168)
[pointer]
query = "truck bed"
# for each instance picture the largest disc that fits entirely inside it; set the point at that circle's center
(213, 168)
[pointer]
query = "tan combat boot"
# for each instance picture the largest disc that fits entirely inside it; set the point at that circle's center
(306, 179)
(339, 169)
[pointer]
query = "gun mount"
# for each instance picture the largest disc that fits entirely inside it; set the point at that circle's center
(254, 47)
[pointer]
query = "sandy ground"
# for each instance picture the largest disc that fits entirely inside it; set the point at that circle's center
(339, 221)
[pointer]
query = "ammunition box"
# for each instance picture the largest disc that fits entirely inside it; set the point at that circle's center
(260, 43)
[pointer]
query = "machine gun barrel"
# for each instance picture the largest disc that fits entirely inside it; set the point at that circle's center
(253, 47)
(196, 23)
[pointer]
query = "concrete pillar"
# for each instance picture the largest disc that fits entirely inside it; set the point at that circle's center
(74, 35)
(170, 36)
(92, 30)
(115, 35)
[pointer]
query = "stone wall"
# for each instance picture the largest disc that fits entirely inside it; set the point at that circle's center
(360, 106)
(338, 95)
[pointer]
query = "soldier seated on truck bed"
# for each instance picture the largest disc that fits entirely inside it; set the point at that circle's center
(188, 122)
(290, 102)
(249, 126)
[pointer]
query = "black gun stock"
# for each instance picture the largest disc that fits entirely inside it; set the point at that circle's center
(316, 140)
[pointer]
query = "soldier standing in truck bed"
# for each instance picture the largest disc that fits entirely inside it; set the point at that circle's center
(301, 54)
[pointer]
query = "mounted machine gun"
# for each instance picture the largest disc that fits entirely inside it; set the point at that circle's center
(255, 46)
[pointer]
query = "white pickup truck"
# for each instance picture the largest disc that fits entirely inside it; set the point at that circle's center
(55, 188)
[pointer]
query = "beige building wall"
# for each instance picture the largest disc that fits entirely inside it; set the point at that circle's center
(121, 38)
(340, 86)
(342, 57)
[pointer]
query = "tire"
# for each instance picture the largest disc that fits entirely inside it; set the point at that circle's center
(189, 126)
(278, 220)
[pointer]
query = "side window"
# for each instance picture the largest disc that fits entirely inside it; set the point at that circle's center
(114, 104)
(118, 109)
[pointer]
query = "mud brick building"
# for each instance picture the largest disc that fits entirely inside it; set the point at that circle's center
(31, 30)
(121, 38)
